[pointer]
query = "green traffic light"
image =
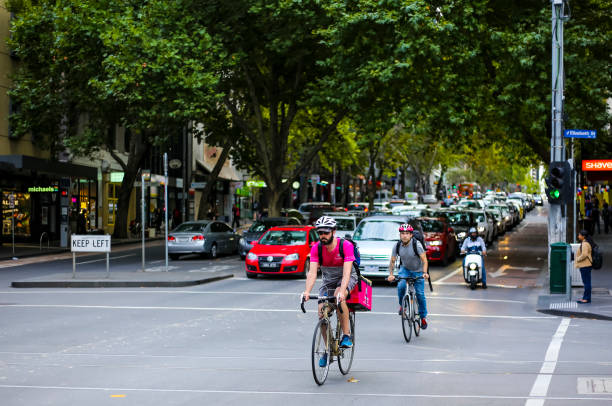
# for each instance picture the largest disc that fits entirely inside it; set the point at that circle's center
(554, 193)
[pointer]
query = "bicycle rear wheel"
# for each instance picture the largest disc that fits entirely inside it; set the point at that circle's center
(406, 319)
(416, 317)
(345, 359)
(321, 347)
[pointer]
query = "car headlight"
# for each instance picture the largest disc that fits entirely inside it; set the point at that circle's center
(252, 256)
(461, 235)
(481, 229)
(432, 243)
(242, 241)
(292, 257)
(472, 266)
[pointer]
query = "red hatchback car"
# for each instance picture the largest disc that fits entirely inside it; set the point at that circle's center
(440, 239)
(281, 250)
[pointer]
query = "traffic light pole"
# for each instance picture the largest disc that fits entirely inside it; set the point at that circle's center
(557, 215)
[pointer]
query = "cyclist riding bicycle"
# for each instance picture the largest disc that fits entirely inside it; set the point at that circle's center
(475, 242)
(339, 277)
(413, 264)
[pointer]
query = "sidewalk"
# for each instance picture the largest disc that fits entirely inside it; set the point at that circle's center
(24, 250)
(600, 307)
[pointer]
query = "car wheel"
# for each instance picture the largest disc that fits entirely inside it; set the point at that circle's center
(213, 251)
(174, 257)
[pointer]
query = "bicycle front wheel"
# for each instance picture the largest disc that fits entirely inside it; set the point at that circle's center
(406, 319)
(345, 359)
(416, 317)
(321, 345)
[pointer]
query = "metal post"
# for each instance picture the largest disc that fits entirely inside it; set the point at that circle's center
(142, 217)
(166, 204)
(73, 265)
(13, 221)
(334, 186)
(107, 265)
(556, 216)
(573, 193)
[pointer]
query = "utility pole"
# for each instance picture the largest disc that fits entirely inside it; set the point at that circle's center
(557, 216)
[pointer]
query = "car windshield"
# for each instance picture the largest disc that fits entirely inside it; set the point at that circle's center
(377, 231)
(345, 224)
(283, 237)
(409, 213)
(432, 226)
(480, 218)
(190, 228)
(261, 226)
(459, 219)
(496, 214)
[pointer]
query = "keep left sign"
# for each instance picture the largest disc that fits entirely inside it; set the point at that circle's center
(90, 243)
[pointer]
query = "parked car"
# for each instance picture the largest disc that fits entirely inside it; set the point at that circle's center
(258, 228)
(313, 210)
(485, 224)
(538, 199)
(346, 223)
(430, 199)
(499, 220)
(506, 216)
(293, 213)
(440, 239)
(202, 237)
(283, 250)
(471, 204)
(376, 237)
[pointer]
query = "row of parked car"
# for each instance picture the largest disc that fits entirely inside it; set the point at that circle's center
(282, 246)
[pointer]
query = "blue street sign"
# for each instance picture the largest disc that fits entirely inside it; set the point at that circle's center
(590, 134)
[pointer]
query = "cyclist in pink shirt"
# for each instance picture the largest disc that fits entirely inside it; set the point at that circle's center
(339, 277)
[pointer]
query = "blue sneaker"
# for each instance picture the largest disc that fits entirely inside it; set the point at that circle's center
(346, 342)
(323, 361)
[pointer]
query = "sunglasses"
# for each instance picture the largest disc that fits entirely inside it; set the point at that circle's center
(321, 232)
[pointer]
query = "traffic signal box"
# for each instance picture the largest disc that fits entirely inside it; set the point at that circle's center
(558, 183)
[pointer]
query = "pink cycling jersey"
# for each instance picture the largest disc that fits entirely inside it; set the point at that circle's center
(333, 258)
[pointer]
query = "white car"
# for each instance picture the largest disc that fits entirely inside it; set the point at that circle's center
(430, 199)
(345, 224)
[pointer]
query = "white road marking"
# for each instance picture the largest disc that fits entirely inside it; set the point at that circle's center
(287, 393)
(220, 292)
(104, 259)
(542, 382)
(243, 309)
(450, 275)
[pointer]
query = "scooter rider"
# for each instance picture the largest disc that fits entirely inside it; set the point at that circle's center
(475, 241)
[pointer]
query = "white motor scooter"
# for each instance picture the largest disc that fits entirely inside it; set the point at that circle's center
(472, 267)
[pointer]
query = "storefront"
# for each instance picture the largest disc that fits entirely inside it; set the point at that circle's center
(32, 189)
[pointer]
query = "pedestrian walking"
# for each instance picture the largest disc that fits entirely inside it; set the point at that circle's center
(235, 216)
(584, 263)
(606, 215)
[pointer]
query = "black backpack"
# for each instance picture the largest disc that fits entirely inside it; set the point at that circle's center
(341, 251)
(416, 236)
(597, 256)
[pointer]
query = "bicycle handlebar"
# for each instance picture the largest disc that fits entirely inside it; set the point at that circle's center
(324, 298)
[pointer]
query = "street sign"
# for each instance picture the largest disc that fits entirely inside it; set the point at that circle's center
(256, 183)
(198, 185)
(90, 243)
(11, 201)
(590, 134)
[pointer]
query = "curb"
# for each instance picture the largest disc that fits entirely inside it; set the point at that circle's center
(579, 315)
(105, 283)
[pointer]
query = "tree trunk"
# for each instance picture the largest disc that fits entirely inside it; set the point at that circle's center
(211, 183)
(275, 200)
(440, 181)
(138, 150)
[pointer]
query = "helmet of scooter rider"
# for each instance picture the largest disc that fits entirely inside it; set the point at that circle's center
(473, 233)
(473, 230)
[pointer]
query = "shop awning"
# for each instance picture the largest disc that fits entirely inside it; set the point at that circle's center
(28, 163)
(228, 172)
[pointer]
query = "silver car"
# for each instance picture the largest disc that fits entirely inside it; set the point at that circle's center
(376, 237)
(202, 237)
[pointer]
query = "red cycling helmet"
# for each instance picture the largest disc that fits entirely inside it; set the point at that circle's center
(406, 227)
